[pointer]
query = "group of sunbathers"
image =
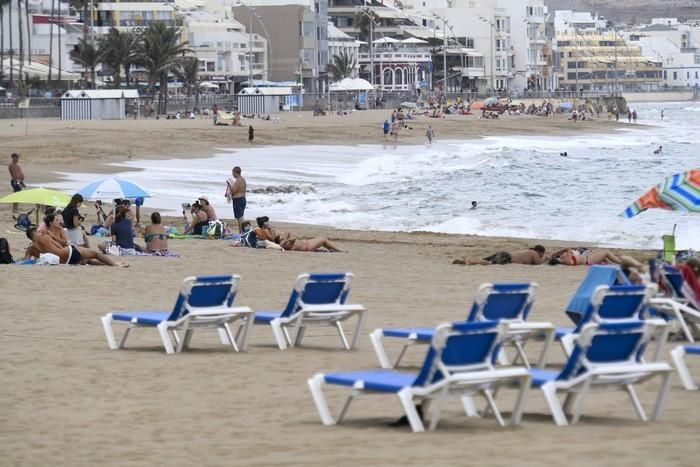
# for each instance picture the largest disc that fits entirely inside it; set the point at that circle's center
(265, 236)
(565, 256)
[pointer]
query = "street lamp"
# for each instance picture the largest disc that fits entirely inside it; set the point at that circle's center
(444, 50)
(252, 13)
(371, 40)
(493, 28)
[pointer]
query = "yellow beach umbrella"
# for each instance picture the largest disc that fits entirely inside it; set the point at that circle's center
(38, 196)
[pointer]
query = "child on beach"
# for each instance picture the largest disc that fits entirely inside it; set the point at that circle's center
(429, 133)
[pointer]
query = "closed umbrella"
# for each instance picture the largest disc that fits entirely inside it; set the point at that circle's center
(679, 192)
(111, 188)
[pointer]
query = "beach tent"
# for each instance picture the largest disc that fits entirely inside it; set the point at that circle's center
(262, 100)
(97, 104)
(413, 40)
(386, 40)
(351, 84)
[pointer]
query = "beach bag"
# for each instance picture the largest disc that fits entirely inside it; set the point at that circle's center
(5, 255)
(23, 222)
(249, 239)
(215, 230)
(48, 259)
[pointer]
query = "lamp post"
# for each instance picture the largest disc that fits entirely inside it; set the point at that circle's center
(444, 50)
(250, 46)
(492, 66)
(371, 42)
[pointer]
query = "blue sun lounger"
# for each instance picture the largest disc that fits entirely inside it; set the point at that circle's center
(678, 355)
(317, 299)
(203, 302)
(605, 357)
(596, 276)
(614, 303)
(458, 362)
(510, 303)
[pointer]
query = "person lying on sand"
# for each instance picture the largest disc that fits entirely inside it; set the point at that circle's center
(70, 254)
(313, 244)
(534, 255)
(577, 257)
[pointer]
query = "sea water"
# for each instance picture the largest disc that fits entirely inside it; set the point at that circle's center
(523, 186)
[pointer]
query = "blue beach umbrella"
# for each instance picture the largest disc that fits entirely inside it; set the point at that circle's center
(112, 188)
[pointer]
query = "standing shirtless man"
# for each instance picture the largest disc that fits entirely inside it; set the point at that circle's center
(43, 243)
(16, 177)
(235, 191)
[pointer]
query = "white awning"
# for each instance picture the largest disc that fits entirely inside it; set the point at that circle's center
(133, 6)
(101, 94)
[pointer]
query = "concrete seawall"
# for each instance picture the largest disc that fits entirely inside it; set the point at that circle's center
(671, 96)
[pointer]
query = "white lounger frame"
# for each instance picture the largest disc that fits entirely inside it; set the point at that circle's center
(678, 355)
(605, 377)
(219, 318)
(465, 382)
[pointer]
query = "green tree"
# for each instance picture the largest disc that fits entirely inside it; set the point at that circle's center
(159, 52)
(341, 66)
(119, 50)
(82, 6)
(88, 56)
(188, 73)
(362, 22)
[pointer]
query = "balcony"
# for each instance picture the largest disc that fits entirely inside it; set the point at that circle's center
(470, 72)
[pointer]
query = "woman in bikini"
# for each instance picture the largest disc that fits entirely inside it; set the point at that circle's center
(156, 236)
(314, 244)
(578, 257)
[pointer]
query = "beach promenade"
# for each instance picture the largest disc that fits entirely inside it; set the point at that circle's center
(66, 399)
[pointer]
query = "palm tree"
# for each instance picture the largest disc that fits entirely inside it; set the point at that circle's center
(119, 51)
(188, 73)
(342, 66)
(29, 31)
(160, 51)
(8, 3)
(82, 6)
(88, 56)
(362, 22)
(21, 41)
(51, 21)
(2, 36)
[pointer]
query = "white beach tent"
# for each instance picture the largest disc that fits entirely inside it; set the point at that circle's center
(413, 40)
(97, 104)
(351, 84)
(386, 40)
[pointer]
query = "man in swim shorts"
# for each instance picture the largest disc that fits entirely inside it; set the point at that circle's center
(71, 254)
(235, 191)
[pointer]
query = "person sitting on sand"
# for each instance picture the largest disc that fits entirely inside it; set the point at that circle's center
(207, 208)
(156, 236)
(70, 254)
(54, 228)
(313, 244)
(578, 257)
(534, 255)
(123, 232)
(199, 220)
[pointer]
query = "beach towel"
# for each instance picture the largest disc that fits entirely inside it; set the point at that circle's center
(691, 286)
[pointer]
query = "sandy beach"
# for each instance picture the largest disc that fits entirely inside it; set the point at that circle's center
(68, 400)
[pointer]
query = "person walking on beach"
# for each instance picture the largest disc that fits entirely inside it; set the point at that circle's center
(16, 177)
(662, 114)
(235, 191)
(386, 128)
(251, 134)
(634, 116)
(429, 133)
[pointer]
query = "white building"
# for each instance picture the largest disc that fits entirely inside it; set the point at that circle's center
(50, 40)
(226, 52)
(673, 44)
(491, 44)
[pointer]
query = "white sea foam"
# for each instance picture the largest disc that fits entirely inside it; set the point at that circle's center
(524, 188)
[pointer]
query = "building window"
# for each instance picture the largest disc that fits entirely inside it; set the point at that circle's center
(675, 75)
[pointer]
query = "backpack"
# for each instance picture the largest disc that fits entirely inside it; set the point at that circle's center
(5, 256)
(23, 221)
(249, 239)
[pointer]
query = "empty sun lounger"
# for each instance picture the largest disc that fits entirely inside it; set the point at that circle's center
(610, 304)
(458, 362)
(203, 302)
(596, 276)
(605, 357)
(317, 299)
(510, 303)
(678, 355)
